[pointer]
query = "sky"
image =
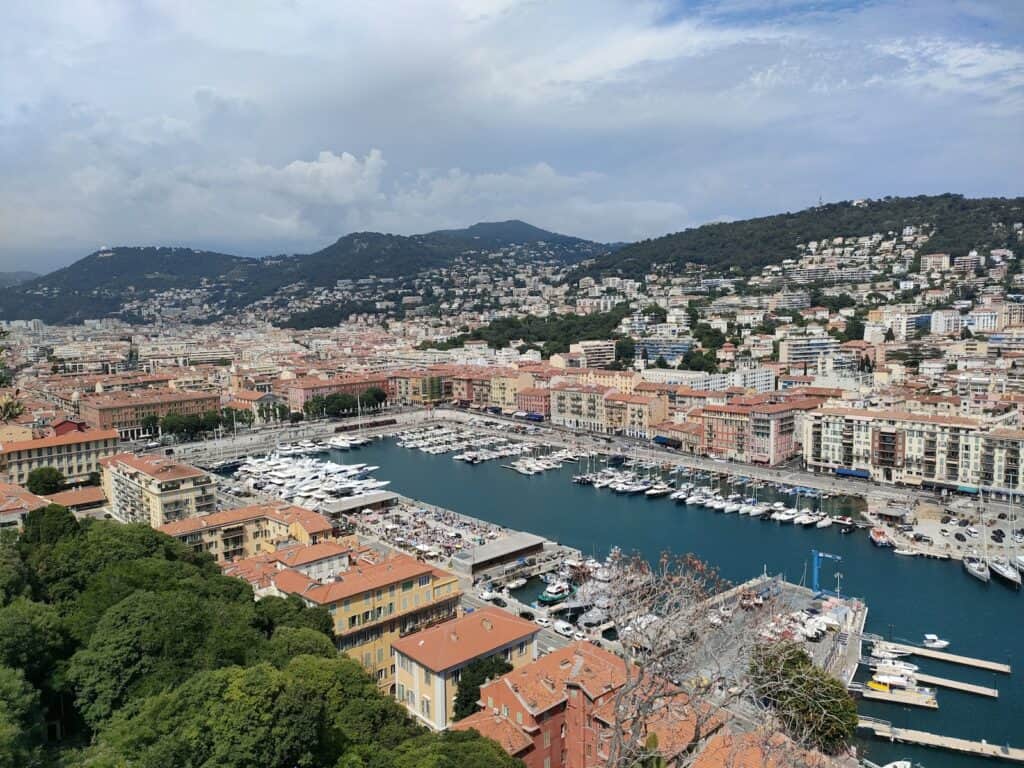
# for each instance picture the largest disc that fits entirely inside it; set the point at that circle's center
(276, 126)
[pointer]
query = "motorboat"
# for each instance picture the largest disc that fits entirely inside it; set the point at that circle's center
(887, 652)
(658, 490)
(516, 583)
(556, 592)
(880, 538)
(785, 516)
(896, 665)
(935, 642)
(825, 522)
(1005, 571)
(905, 552)
(805, 518)
(977, 568)
(731, 507)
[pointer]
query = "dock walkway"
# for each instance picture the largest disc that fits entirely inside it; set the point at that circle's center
(957, 685)
(885, 730)
(967, 661)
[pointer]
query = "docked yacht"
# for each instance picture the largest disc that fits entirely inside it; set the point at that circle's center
(658, 490)
(556, 592)
(1005, 571)
(825, 522)
(339, 443)
(934, 642)
(977, 568)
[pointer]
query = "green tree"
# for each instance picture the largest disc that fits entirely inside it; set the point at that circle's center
(20, 720)
(374, 397)
(32, 639)
(289, 642)
(275, 612)
(661, 362)
(475, 674)
(813, 707)
(625, 350)
(48, 525)
(452, 749)
(15, 576)
(150, 424)
(890, 335)
(45, 480)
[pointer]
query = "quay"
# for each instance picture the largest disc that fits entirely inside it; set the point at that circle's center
(885, 730)
(952, 658)
(957, 685)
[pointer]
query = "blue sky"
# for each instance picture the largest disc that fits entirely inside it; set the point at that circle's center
(262, 127)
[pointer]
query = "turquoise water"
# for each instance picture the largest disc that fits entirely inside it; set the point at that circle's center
(906, 598)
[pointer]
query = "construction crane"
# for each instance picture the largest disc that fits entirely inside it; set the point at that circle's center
(816, 558)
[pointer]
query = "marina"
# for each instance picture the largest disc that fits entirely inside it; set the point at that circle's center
(984, 621)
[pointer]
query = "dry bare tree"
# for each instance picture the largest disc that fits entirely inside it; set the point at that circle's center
(688, 637)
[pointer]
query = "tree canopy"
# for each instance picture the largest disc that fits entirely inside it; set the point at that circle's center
(145, 654)
(44, 480)
(475, 674)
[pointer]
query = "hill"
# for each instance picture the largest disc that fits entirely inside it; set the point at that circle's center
(8, 279)
(119, 280)
(960, 224)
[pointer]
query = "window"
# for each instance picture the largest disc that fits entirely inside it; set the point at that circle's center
(522, 648)
(400, 692)
(547, 760)
(427, 677)
(547, 738)
(519, 717)
(425, 706)
(406, 586)
(504, 710)
(424, 580)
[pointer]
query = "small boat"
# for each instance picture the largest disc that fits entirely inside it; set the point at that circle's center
(895, 665)
(880, 538)
(658, 490)
(935, 642)
(899, 764)
(825, 522)
(516, 584)
(556, 592)
(847, 529)
(905, 552)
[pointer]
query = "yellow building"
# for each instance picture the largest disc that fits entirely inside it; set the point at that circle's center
(373, 605)
(430, 663)
(235, 534)
(634, 415)
(155, 490)
(75, 454)
(506, 385)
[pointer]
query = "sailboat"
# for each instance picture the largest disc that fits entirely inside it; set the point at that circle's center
(977, 567)
(1005, 569)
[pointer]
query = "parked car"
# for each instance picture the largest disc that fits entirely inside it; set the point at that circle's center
(943, 531)
(543, 621)
(973, 532)
(959, 536)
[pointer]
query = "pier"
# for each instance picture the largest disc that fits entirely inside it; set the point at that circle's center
(885, 730)
(957, 685)
(952, 658)
(896, 696)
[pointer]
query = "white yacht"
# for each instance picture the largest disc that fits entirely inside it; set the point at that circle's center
(935, 642)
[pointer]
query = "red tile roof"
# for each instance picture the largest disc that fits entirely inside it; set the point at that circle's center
(468, 637)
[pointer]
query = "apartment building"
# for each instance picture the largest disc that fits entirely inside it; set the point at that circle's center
(633, 415)
(534, 400)
(235, 534)
(76, 455)
(15, 504)
(505, 386)
(300, 391)
(596, 354)
(579, 406)
(155, 490)
(420, 387)
(429, 663)
(806, 349)
(375, 605)
(558, 712)
(761, 433)
(125, 411)
(931, 451)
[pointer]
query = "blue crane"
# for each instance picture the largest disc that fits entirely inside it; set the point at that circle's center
(816, 558)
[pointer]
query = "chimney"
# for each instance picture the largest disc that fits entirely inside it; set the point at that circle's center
(487, 624)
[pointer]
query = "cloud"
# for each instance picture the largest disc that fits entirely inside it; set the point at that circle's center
(262, 126)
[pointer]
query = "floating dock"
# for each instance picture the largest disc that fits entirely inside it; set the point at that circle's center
(957, 685)
(896, 696)
(885, 730)
(952, 658)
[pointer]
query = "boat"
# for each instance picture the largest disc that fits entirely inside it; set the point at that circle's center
(516, 584)
(899, 764)
(847, 529)
(935, 642)
(658, 490)
(731, 507)
(905, 552)
(825, 522)
(977, 568)
(556, 592)
(895, 665)
(785, 516)
(880, 538)
(1005, 571)
(886, 652)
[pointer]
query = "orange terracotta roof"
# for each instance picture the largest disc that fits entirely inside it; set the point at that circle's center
(355, 581)
(71, 438)
(951, 421)
(459, 641)
(18, 500)
(159, 467)
(76, 497)
(500, 729)
(310, 521)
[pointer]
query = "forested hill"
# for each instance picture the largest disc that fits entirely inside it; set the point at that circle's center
(960, 224)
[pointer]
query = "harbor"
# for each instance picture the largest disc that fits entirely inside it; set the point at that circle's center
(907, 597)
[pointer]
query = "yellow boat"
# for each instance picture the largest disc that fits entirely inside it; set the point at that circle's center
(877, 686)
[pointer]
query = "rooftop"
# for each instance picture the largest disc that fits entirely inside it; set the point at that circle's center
(71, 438)
(309, 520)
(468, 637)
(158, 467)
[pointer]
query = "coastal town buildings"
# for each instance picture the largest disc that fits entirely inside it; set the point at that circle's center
(155, 490)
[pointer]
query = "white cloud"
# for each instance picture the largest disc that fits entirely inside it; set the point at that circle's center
(266, 126)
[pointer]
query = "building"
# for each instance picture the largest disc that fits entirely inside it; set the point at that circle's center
(155, 490)
(534, 400)
(76, 455)
(596, 354)
(633, 415)
(922, 450)
(761, 433)
(128, 412)
(235, 534)
(579, 406)
(374, 605)
(15, 504)
(429, 663)
(557, 712)
(935, 262)
(301, 391)
(806, 349)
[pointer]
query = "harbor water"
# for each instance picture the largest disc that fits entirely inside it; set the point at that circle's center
(906, 597)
